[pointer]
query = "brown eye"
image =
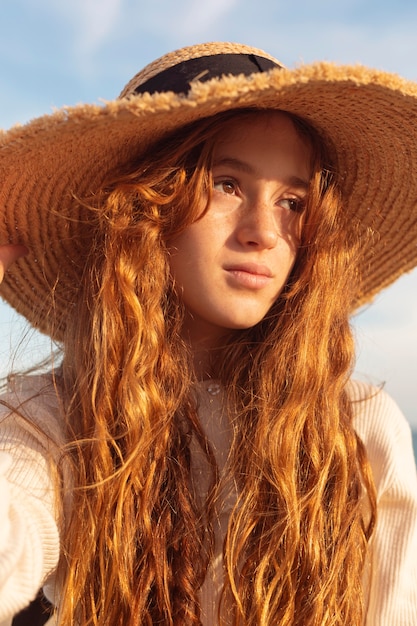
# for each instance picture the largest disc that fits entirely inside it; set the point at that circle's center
(225, 186)
(292, 204)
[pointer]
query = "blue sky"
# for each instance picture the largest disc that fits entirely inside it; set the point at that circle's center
(55, 53)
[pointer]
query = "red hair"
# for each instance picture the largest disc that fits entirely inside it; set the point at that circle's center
(137, 543)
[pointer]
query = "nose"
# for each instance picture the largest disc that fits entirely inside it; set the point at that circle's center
(257, 225)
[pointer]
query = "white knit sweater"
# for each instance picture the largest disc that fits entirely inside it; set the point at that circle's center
(29, 536)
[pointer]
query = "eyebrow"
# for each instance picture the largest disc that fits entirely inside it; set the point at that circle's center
(243, 166)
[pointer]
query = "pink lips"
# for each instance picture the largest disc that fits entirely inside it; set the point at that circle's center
(250, 275)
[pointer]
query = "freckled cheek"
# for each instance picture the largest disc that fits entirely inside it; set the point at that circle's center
(287, 254)
(190, 249)
(289, 226)
(298, 227)
(290, 244)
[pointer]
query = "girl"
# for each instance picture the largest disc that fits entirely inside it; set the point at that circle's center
(200, 454)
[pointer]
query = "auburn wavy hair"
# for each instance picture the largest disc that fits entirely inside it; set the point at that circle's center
(136, 540)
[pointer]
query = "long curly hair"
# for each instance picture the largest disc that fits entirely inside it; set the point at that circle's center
(137, 542)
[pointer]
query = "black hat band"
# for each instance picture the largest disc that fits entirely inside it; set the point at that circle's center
(179, 77)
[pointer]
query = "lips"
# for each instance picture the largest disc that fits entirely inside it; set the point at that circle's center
(257, 269)
(249, 275)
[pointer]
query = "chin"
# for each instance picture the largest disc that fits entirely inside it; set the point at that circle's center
(246, 324)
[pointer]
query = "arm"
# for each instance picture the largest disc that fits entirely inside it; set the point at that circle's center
(29, 539)
(392, 597)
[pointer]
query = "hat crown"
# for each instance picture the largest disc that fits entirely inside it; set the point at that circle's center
(189, 53)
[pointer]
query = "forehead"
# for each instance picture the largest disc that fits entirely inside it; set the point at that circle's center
(268, 138)
(268, 119)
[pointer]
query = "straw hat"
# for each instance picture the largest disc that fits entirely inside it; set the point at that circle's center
(369, 116)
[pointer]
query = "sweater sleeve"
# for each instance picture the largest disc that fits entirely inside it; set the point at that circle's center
(29, 538)
(392, 597)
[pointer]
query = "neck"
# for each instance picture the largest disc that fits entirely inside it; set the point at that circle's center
(205, 354)
(205, 342)
(202, 366)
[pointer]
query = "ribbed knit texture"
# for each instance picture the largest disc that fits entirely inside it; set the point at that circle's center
(29, 541)
(29, 537)
(387, 436)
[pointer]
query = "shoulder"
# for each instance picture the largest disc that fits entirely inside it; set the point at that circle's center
(384, 430)
(30, 477)
(34, 403)
(392, 598)
(374, 408)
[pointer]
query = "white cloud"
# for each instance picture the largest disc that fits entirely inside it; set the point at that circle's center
(92, 22)
(96, 21)
(95, 24)
(198, 18)
(179, 21)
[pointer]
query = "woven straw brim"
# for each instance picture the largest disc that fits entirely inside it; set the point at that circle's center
(369, 116)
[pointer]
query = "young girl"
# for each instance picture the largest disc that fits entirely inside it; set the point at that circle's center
(199, 455)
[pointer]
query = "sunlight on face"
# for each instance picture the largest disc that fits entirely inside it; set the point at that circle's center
(230, 265)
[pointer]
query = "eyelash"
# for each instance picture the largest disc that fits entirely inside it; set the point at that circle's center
(224, 183)
(295, 204)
